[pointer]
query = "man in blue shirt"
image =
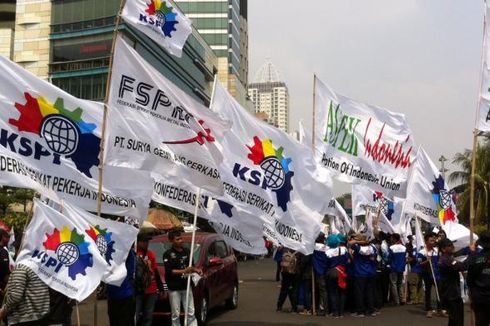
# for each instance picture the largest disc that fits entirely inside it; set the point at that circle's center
(397, 258)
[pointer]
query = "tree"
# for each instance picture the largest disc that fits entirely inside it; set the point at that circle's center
(481, 178)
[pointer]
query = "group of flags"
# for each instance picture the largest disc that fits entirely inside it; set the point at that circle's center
(247, 178)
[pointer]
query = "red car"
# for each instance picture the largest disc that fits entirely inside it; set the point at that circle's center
(219, 282)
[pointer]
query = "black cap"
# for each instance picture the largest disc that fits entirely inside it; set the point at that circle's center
(484, 240)
(444, 243)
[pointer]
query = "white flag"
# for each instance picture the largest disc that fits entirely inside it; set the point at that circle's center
(364, 144)
(157, 19)
(50, 142)
(113, 240)
(458, 233)
(483, 114)
(341, 217)
(57, 248)
(419, 237)
(155, 126)
(269, 174)
(429, 196)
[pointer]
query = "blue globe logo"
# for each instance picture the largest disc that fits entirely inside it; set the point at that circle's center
(61, 134)
(67, 253)
(274, 173)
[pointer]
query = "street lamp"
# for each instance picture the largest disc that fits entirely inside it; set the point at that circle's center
(443, 170)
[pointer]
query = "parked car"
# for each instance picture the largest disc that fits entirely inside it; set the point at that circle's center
(219, 282)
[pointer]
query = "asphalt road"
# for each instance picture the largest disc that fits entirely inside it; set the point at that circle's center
(257, 303)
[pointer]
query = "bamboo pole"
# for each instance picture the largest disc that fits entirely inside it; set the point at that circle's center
(472, 185)
(313, 132)
(313, 299)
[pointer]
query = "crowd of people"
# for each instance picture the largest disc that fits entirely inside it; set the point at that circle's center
(352, 274)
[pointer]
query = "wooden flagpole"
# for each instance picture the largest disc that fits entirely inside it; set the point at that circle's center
(472, 185)
(103, 131)
(313, 132)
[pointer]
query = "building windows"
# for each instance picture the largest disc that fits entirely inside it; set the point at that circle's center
(85, 87)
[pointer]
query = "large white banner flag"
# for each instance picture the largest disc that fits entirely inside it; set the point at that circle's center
(155, 126)
(157, 19)
(269, 174)
(342, 221)
(360, 143)
(58, 249)
(113, 240)
(366, 201)
(428, 195)
(483, 114)
(50, 142)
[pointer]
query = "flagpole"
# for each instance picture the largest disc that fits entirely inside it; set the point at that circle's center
(104, 126)
(313, 133)
(191, 256)
(472, 185)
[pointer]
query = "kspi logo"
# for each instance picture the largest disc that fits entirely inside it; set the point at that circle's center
(274, 173)
(103, 240)
(443, 198)
(65, 248)
(161, 16)
(62, 133)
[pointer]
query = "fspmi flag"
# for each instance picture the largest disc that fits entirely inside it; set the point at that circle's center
(361, 143)
(155, 126)
(428, 195)
(160, 21)
(269, 174)
(50, 142)
(59, 250)
(483, 114)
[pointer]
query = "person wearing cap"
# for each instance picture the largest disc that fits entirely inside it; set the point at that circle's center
(337, 259)
(479, 281)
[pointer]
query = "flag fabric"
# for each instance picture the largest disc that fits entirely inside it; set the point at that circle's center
(155, 126)
(419, 237)
(483, 113)
(269, 174)
(363, 199)
(50, 142)
(58, 249)
(360, 143)
(341, 220)
(459, 234)
(113, 240)
(160, 21)
(429, 196)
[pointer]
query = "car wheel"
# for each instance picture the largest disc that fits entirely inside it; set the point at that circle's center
(203, 312)
(232, 303)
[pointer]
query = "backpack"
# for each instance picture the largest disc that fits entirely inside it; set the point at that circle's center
(142, 276)
(288, 262)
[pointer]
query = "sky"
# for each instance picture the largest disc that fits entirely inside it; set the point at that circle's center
(417, 57)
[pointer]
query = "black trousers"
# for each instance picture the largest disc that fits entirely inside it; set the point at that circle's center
(288, 289)
(482, 313)
(121, 311)
(364, 288)
(455, 309)
(429, 284)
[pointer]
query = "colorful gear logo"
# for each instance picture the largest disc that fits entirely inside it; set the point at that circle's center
(164, 14)
(444, 200)
(64, 132)
(103, 240)
(71, 250)
(275, 167)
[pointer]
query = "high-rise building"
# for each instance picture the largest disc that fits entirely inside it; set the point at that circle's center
(223, 25)
(270, 96)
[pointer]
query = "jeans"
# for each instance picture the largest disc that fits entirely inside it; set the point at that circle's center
(482, 313)
(145, 304)
(396, 287)
(364, 289)
(304, 294)
(176, 299)
(337, 297)
(288, 289)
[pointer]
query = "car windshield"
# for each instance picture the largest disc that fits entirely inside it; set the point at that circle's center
(160, 247)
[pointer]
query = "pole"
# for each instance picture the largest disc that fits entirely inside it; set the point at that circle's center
(313, 299)
(78, 314)
(313, 133)
(191, 256)
(472, 185)
(433, 275)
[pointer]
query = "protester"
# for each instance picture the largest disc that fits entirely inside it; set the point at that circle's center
(428, 259)
(319, 261)
(450, 290)
(277, 258)
(177, 269)
(337, 259)
(383, 268)
(288, 280)
(60, 309)
(479, 281)
(121, 305)
(397, 258)
(414, 278)
(4, 261)
(304, 272)
(146, 268)
(364, 257)
(27, 299)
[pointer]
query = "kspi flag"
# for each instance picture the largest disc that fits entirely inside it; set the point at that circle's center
(360, 143)
(483, 114)
(59, 250)
(269, 174)
(428, 195)
(155, 126)
(50, 142)
(160, 21)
